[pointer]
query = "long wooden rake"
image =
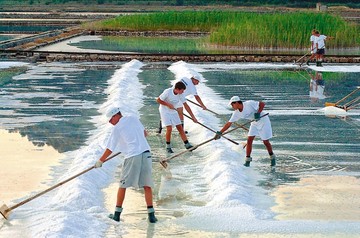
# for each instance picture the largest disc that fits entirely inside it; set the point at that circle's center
(164, 162)
(5, 210)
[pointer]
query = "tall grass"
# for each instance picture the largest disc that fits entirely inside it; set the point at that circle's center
(242, 29)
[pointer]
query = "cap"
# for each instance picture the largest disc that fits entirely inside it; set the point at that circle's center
(111, 112)
(198, 79)
(234, 99)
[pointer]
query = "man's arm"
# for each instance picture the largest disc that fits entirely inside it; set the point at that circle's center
(261, 106)
(102, 159)
(219, 133)
(188, 109)
(158, 100)
(200, 101)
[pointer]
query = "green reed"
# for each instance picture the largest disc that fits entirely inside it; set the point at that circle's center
(242, 29)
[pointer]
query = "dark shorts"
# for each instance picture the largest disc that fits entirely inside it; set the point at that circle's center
(321, 52)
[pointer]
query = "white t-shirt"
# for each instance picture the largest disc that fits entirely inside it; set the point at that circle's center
(320, 40)
(312, 40)
(249, 109)
(260, 128)
(128, 137)
(190, 87)
(169, 97)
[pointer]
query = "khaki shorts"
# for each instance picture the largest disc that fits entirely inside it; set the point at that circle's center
(137, 171)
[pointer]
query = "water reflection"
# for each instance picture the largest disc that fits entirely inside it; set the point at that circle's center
(25, 166)
(184, 45)
(317, 86)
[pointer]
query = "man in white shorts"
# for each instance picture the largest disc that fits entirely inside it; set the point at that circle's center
(129, 137)
(251, 110)
(190, 84)
(169, 100)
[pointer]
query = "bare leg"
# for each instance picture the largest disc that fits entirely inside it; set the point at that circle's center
(250, 140)
(168, 133)
(181, 132)
(120, 197)
(268, 146)
(148, 196)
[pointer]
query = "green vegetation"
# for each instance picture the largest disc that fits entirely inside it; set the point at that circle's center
(286, 3)
(242, 29)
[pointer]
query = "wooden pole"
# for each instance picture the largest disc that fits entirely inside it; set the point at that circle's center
(5, 211)
(164, 162)
(236, 124)
(212, 130)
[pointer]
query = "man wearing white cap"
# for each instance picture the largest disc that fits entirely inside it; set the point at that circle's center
(251, 110)
(190, 84)
(129, 137)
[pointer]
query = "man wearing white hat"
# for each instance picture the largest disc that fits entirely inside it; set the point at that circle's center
(251, 110)
(190, 84)
(129, 137)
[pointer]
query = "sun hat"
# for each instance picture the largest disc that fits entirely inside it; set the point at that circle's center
(234, 99)
(196, 78)
(111, 112)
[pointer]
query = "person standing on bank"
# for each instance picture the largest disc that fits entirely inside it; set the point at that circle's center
(169, 100)
(129, 137)
(312, 47)
(190, 84)
(251, 110)
(320, 46)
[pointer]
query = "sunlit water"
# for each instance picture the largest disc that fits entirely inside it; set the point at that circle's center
(209, 193)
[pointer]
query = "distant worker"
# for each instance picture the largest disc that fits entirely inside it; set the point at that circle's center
(190, 90)
(129, 136)
(169, 100)
(320, 47)
(251, 110)
(312, 47)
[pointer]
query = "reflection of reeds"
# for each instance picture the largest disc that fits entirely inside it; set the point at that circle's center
(154, 44)
(254, 30)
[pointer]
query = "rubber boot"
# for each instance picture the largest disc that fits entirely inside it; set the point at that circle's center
(151, 215)
(160, 127)
(248, 159)
(116, 215)
(168, 148)
(272, 160)
(188, 145)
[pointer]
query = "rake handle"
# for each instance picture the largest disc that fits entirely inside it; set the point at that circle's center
(55, 186)
(347, 96)
(207, 141)
(213, 130)
(217, 114)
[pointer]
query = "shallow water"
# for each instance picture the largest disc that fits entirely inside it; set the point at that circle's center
(210, 193)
